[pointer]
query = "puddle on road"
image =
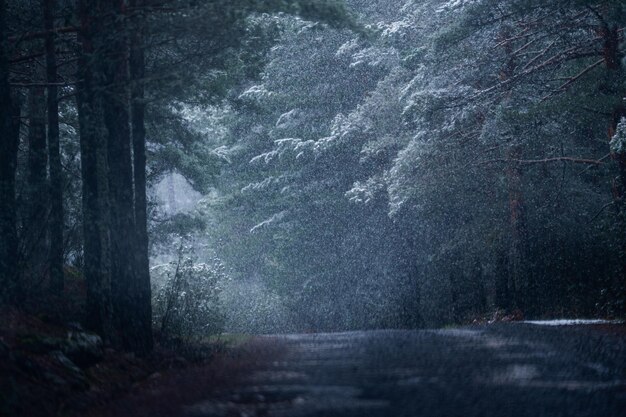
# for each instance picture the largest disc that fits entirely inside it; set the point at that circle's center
(458, 332)
(514, 374)
(278, 376)
(316, 347)
(321, 337)
(418, 380)
(528, 376)
(339, 363)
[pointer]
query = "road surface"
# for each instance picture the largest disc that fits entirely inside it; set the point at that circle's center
(511, 370)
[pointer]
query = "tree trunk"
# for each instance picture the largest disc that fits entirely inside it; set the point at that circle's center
(129, 302)
(137, 74)
(9, 139)
(94, 172)
(503, 297)
(110, 232)
(37, 204)
(54, 155)
(519, 282)
(615, 73)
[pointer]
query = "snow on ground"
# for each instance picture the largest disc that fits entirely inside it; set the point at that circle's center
(571, 322)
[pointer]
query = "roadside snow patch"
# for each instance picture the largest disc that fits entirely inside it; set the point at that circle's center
(568, 322)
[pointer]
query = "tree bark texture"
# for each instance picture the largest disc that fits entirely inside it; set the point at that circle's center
(519, 282)
(138, 109)
(94, 173)
(56, 224)
(34, 229)
(120, 291)
(9, 139)
(615, 73)
(129, 300)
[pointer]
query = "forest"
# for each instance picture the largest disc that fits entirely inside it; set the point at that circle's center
(176, 170)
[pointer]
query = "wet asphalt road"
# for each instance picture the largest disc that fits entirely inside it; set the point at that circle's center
(511, 370)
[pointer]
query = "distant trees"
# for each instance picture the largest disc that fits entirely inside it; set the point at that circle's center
(470, 138)
(564, 49)
(561, 48)
(536, 90)
(518, 85)
(295, 152)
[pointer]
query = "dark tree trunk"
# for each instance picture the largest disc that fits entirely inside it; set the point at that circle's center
(54, 155)
(613, 63)
(519, 282)
(94, 172)
(137, 74)
(34, 234)
(111, 262)
(503, 297)
(36, 153)
(129, 302)
(9, 137)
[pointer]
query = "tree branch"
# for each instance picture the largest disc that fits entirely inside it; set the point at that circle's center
(42, 34)
(544, 161)
(604, 207)
(573, 79)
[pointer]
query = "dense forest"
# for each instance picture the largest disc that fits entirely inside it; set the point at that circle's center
(181, 168)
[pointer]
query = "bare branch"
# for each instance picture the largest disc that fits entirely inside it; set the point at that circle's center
(42, 34)
(28, 84)
(604, 207)
(574, 79)
(544, 161)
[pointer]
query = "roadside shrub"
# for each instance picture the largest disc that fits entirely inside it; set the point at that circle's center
(186, 299)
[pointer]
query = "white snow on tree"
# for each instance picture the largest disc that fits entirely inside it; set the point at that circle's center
(618, 143)
(276, 218)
